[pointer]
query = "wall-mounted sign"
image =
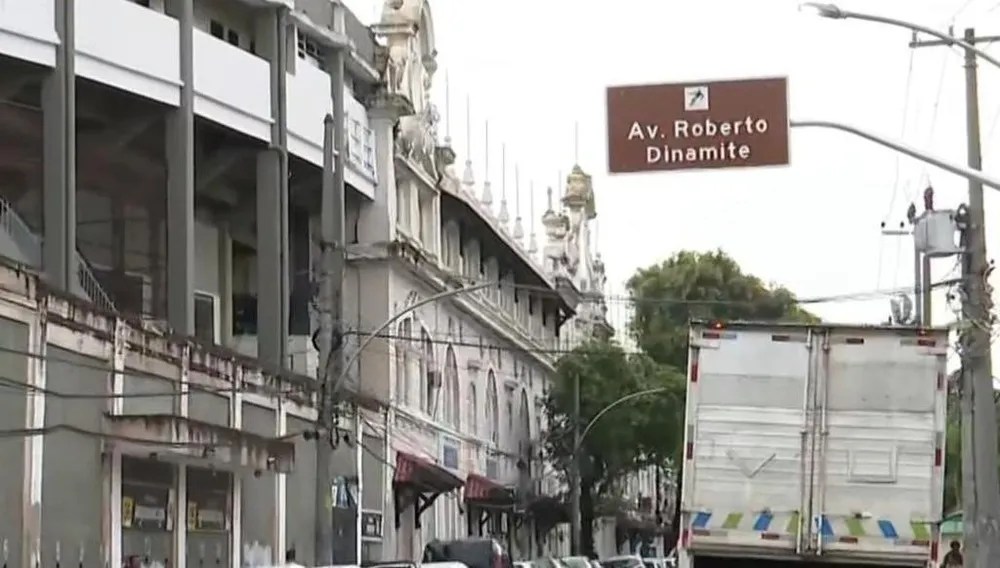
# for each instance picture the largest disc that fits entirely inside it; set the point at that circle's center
(449, 452)
(145, 507)
(207, 511)
(371, 525)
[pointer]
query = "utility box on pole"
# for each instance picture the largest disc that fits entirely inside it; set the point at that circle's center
(935, 233)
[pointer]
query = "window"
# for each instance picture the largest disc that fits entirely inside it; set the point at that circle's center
(217, 29)
(429, 377)
(232, 37)
(492, 409)
(142, 2)
(308, 50)
(403, 361)
(451, 400)
(473, 410)
(510, 414)
(206, 317)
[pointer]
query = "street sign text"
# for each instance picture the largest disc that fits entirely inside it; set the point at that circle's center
(722, 124)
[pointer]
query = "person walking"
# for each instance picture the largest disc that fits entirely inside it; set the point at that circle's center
(954, 556)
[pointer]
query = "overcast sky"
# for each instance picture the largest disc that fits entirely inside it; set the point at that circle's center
(535, 68)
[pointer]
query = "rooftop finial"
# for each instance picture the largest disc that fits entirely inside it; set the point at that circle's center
(487, 197)
(503, 216)
(518, 225)
(468, 179)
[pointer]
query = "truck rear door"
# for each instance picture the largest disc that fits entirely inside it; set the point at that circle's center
(745, 440)
(882, 400)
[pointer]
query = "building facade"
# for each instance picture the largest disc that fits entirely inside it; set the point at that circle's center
(160, 169)
(162, 179)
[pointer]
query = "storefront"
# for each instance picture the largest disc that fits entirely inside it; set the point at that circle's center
(490, 509)
(147, 499)
(416, 484)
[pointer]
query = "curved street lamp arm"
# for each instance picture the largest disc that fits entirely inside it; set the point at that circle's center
(395, 317)
(982, 54)
(962, 171)
(834, 12)
(607, 408)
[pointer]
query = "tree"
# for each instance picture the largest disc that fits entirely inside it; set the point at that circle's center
(639, 432)
(706, 285)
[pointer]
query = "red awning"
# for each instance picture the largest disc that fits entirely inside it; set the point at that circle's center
(480, 489)
(423, 474)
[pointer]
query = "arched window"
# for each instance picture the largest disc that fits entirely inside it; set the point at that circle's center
(429, 378)
(450, 398)
(473, 410)
(492, 409)
(525, 418)
(403, 355)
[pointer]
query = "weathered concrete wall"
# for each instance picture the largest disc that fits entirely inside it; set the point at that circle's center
(157, 391)
(72, 473)
(301, 494)
(208, 407)
(258, 494)
(13, 404)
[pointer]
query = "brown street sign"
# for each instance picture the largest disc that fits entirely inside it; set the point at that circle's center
(687, 126)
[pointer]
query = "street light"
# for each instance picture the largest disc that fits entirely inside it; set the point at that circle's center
(967, 173)
(834, 12)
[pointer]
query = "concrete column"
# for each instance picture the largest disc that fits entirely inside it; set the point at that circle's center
(180, 181)
(377, 220)
(59, 155)
(34, 445)
(236, 534)
(280, 494)
(273, 278)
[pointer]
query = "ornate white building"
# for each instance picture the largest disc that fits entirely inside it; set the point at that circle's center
(465, 375)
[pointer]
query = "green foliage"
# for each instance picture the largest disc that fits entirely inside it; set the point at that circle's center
(701, 285)
(953, 462)
(637, 432)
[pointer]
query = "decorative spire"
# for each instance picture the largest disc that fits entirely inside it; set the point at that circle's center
(468, 179)
(518, 226)
(487, 198)
(532, 239)
(504, 215)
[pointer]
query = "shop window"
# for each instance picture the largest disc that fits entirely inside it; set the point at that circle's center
(147, 525)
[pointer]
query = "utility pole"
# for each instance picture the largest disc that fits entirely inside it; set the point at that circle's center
(980, 484)
(576, 538)
(330, 306)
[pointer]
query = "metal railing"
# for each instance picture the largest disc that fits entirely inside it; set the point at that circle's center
(31, 245)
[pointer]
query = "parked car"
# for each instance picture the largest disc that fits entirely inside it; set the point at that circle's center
(472, 552)
(629, 561)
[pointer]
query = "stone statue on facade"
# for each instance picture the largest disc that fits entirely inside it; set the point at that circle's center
(417, 141)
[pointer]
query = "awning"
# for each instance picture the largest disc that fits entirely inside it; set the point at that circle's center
(484, 492)
(179, 439)
(423, 475)
(418, 482)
